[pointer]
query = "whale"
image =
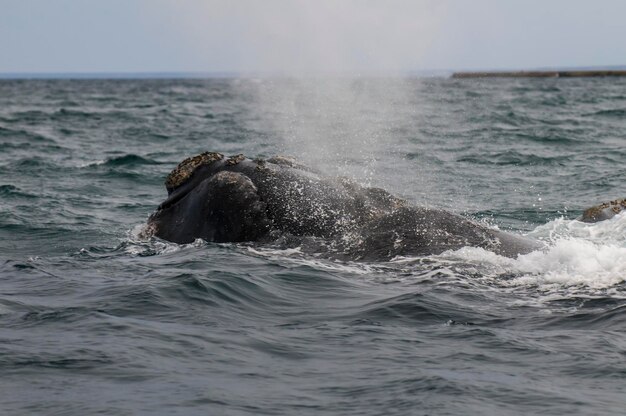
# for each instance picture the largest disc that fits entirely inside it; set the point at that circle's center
(279, 200)
(603, 211)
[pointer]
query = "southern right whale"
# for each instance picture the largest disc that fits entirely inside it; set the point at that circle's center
(236, 199)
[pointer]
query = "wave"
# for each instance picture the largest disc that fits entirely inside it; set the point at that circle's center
(28, 116)
(129, 160)
(614, 112)
(551, 139)
(513, 158)
(13, 191)
(578, 255)
(64, 113)
(16, 134)
(418, 307)
(31, 164)
(79, 360)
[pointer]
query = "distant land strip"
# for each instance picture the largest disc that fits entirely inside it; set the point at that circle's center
(540, 74)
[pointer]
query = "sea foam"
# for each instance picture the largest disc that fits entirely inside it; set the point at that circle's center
(577, 254)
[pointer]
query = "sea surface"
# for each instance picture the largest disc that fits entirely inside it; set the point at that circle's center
(96, 319)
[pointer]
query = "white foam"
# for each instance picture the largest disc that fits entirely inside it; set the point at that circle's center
(141, 241)
(603, 232)
(91, 163)
(296, 257)
(574, 261)
(578, 254)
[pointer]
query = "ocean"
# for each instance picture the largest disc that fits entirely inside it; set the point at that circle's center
(96, 319)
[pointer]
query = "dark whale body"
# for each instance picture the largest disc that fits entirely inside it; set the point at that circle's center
(237, 199)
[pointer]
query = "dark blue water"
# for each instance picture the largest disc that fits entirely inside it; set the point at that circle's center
(95, 319)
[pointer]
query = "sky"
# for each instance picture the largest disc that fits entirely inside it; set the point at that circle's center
(247, 36)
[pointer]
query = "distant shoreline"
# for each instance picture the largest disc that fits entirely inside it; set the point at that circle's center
(541, 74)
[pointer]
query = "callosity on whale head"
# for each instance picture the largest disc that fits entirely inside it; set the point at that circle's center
(603, 211)
(237, 199)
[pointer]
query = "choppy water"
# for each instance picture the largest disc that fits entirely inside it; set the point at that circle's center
(93, 319)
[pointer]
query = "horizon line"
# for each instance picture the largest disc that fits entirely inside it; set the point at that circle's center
(17, 75)
(209, 74)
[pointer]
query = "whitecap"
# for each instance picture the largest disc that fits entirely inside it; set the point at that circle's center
(577, 254)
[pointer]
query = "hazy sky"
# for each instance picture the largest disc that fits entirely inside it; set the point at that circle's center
(313, 35)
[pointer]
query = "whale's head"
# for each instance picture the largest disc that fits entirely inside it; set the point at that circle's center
(603, 211)
(210, 198)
